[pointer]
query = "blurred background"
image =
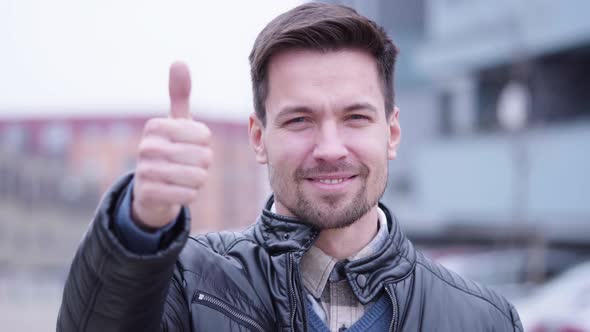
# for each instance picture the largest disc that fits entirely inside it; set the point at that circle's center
(491, 179)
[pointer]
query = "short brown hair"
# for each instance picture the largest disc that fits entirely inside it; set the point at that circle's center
(323, 27)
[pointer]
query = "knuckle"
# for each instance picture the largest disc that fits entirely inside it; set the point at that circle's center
(201, 177)
(203, 131)
(147, 171)
(203, 157)
(144, 148)
(206, 133)
(197, 178)
(152, 125)
(140, 173)
(153, 148)
(157, 127)
(191, 196)
(208, 158)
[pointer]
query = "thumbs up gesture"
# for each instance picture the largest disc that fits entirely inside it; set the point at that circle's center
(173, 158)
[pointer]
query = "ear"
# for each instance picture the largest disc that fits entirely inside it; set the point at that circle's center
(394, 133)
(255, 133)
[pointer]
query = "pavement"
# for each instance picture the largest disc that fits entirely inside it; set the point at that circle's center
(29, 306)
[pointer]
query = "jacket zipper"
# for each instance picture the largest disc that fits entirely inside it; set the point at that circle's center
(293, 293)
(394, 309)
(215, 303)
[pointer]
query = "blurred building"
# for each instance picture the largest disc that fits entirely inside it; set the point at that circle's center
(460, 169)
(460, 173)
(53, 172)
(415, 95)
(536, 176)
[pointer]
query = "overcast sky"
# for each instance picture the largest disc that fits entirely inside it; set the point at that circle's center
(104, 57)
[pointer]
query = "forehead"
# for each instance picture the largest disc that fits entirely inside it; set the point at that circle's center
(314, 64)
(315, 77)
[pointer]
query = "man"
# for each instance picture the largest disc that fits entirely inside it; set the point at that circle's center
(324, 255)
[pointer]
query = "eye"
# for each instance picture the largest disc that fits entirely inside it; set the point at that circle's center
(296, 120)
(359, 117)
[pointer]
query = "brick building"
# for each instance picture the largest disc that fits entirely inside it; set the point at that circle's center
(53, 172)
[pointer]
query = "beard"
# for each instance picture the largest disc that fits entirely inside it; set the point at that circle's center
(333, 210)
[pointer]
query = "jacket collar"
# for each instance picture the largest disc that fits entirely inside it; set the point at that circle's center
(280, 234)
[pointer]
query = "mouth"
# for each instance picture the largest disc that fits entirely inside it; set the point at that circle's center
(335, 181)
(332, 182)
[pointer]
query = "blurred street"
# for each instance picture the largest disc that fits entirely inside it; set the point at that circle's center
(31, 287)
(29, 305)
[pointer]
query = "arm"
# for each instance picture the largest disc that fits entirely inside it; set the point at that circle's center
(134, 238)
(111, 288)
(516, 319)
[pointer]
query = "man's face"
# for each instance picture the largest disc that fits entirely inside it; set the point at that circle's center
(327, 139)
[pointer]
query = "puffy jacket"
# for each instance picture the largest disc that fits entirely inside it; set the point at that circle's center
(251, 281)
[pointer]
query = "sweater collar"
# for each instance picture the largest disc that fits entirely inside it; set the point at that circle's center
(317, 266)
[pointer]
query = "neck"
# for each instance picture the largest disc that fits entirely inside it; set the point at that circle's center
(341, 243)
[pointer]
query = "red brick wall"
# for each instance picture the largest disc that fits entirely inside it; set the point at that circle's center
(231, 199)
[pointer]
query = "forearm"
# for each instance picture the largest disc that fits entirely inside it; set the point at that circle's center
(111, 288)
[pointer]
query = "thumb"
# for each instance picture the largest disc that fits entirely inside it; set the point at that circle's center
(179, 87)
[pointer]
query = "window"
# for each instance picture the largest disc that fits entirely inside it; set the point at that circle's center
(446, 114)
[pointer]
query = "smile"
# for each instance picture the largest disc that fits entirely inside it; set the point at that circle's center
(333, 181)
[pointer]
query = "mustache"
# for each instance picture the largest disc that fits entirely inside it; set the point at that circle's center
(332, 167)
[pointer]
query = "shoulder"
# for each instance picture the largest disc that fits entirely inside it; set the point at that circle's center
(218, 242)
(463, 293)
(214, 248)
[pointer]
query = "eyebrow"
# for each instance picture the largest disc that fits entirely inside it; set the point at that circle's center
(360, 107)
(293, 109)
(347, 109)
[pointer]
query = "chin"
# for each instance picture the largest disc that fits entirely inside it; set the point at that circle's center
(331, 216)
(337, 224)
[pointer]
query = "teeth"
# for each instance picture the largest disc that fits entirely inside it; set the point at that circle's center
(334, 181)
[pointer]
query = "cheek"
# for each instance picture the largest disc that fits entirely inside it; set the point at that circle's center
(370, 150)
(288, 153)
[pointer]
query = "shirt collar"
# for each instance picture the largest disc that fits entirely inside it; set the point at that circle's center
(316, 266)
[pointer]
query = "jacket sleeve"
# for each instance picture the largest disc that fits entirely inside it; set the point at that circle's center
(516, 319)
(110, 288)
(134, 238)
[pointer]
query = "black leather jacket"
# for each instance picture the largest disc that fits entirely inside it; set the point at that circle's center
(251, 281)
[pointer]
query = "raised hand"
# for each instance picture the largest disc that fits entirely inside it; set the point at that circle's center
(173, 158)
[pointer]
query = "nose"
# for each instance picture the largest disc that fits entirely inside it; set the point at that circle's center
(329, 144)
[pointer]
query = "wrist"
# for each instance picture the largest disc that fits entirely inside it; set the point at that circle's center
(147, 222)
(141, 225)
